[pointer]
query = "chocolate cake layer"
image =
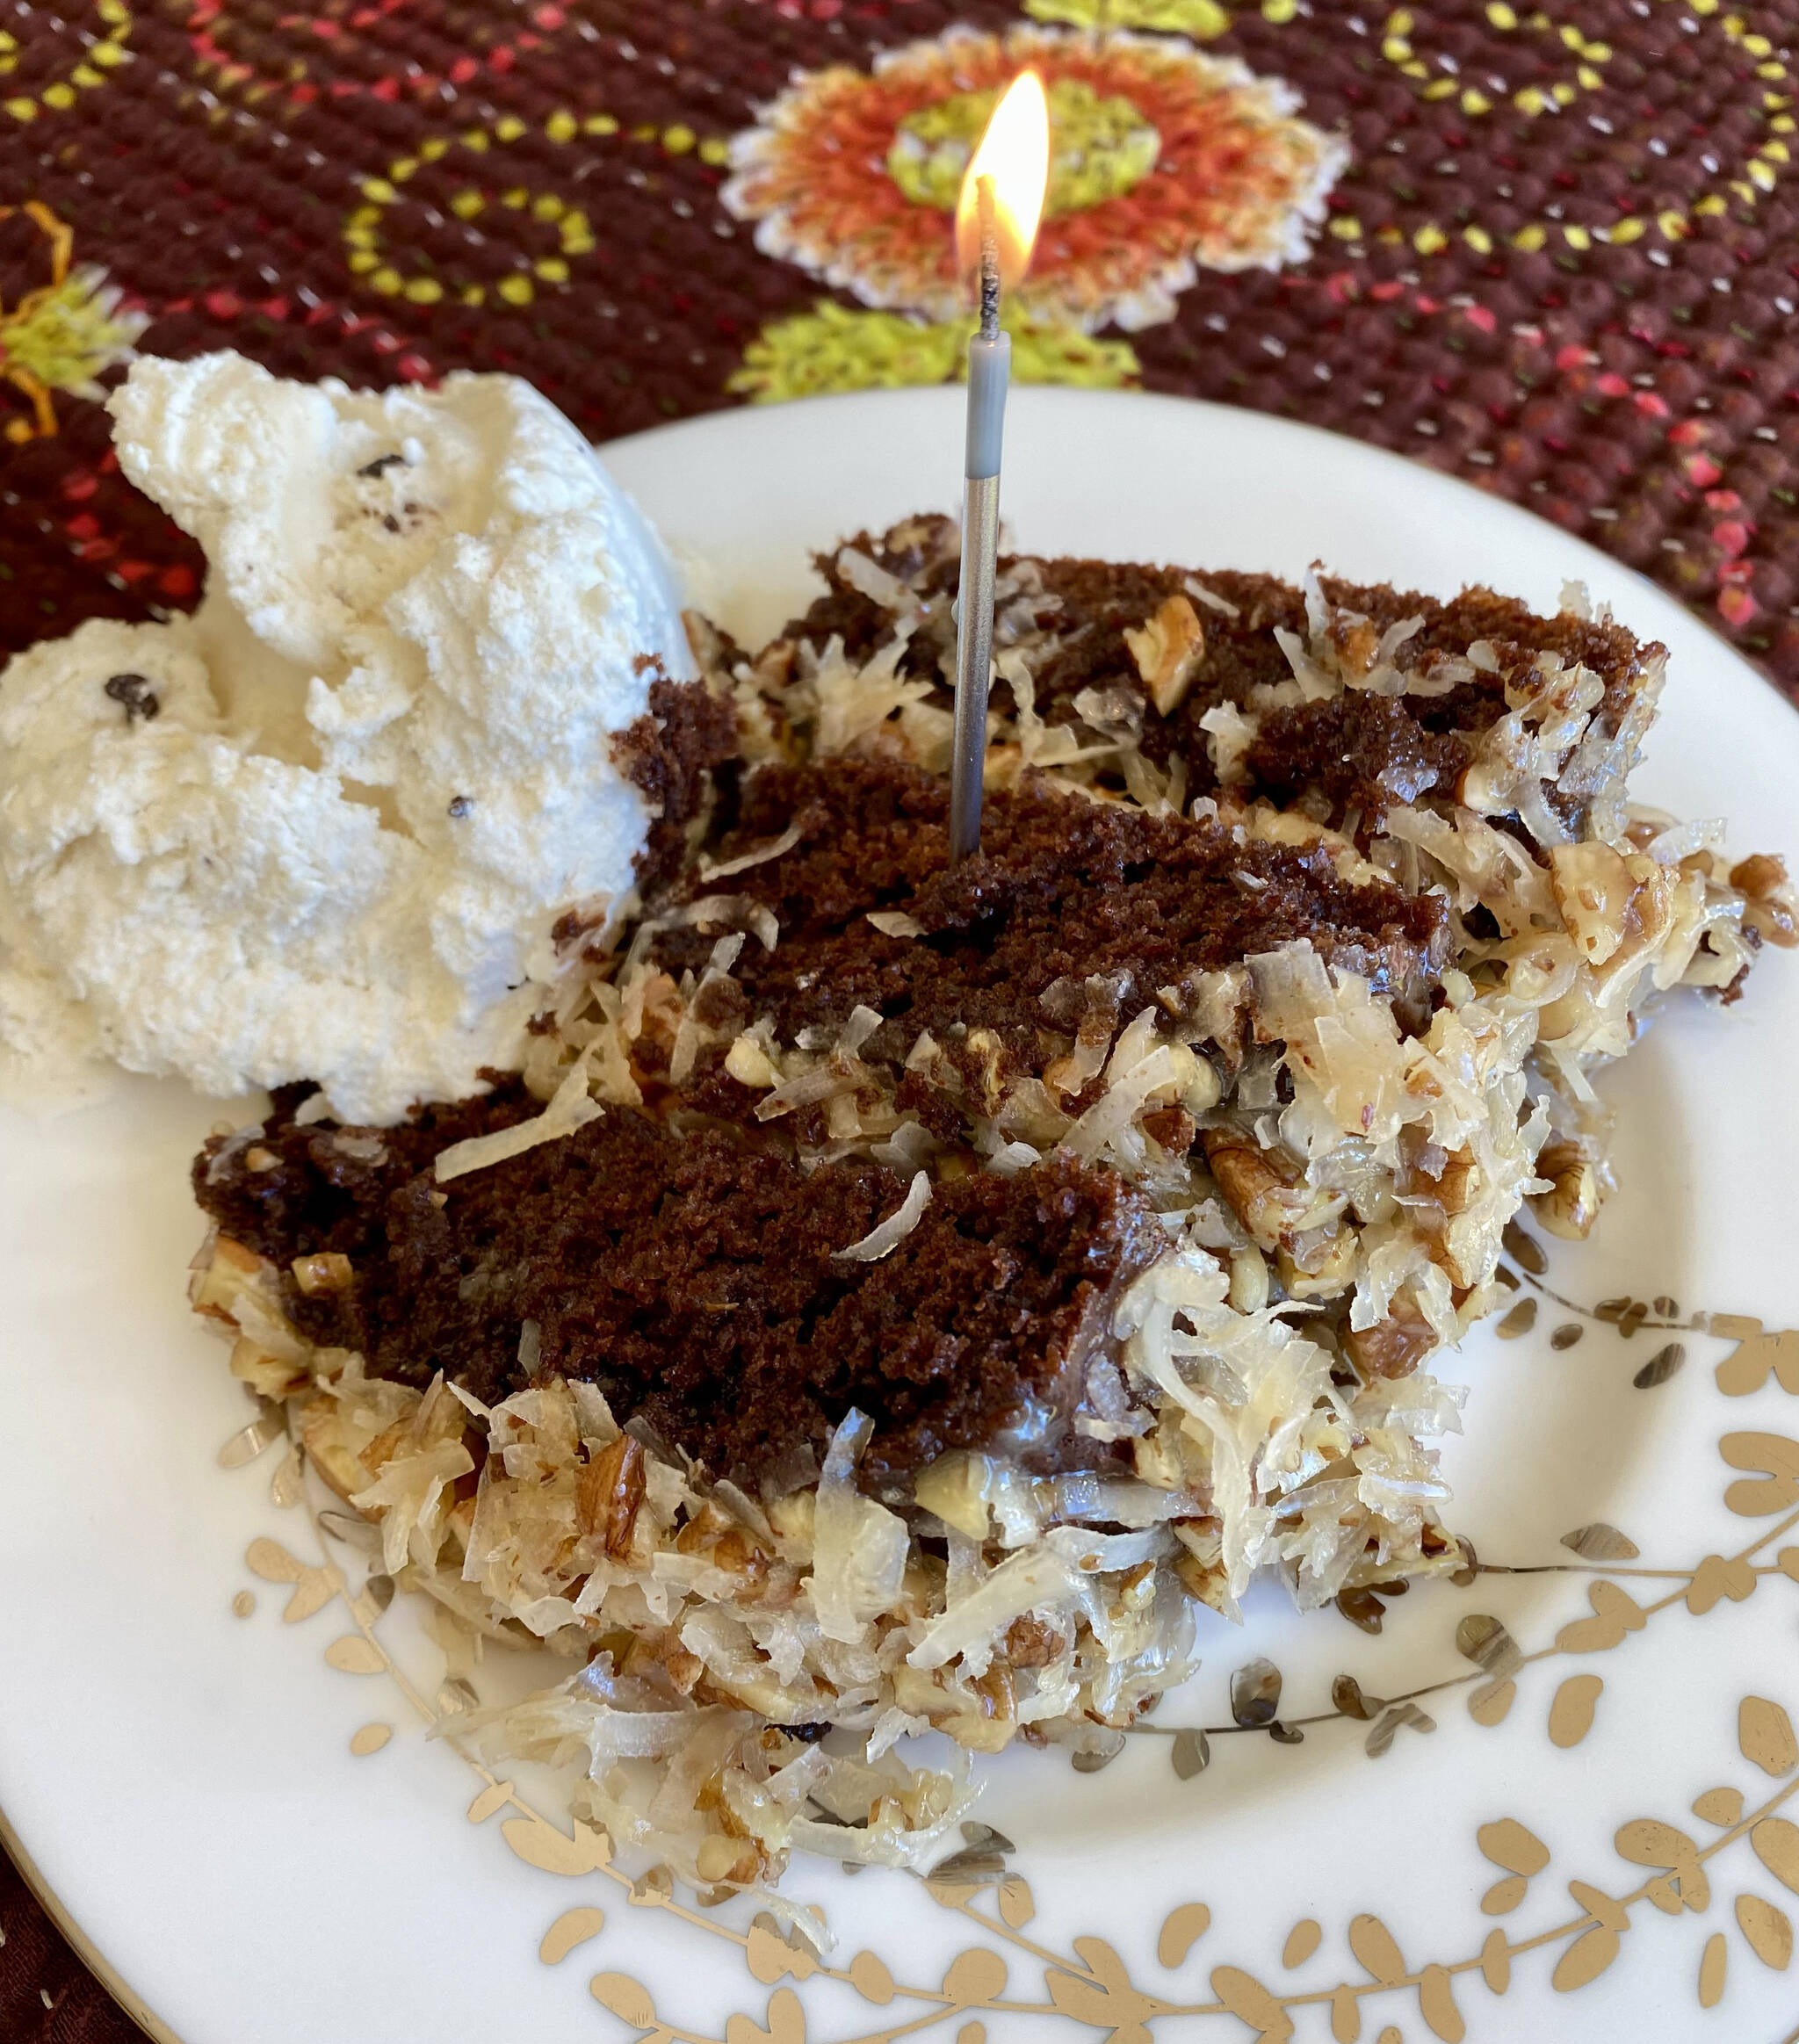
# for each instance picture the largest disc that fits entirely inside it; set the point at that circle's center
(1062, 889)
(1391, 750)
(693, 1277)
(668, 754)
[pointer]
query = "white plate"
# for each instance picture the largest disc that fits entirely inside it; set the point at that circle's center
(183, 1778)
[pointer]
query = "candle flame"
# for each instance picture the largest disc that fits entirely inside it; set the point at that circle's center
(1014, 154)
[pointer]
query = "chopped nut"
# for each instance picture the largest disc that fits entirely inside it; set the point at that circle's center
(267, 1374)
(1461, 1182)
(1609, 902)
(1759, 874)
(1572, 1207)
(328, 1447)
(1167, 647)
(232, 1270)
(985, 1045)
(1032, 1641)
(1205, 1580)
(1257, 1193)
(748, 1063)
(1249, 1280)
(1770, 910)
(1323, 1271)
(1395, 1347)
(607, 1492)
(998, 1693)
(329, 1271)
(1358, 641)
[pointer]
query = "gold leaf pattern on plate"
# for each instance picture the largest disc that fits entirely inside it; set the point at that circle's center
(1717, 1578)
(1776, 1459)
(1661, 1366)
(1301, 1941)
(270, 1560)
(1346, 2015)
(628, 1999)
(1647, 1843)
(1756, 1353)
(1489, 1704)
(1570, 1714)
(315, 1589)
(1248, 2000)
(573, 1927)
(353, 1655)
(771, 1958)
(1776, 1844)
(1614, 1612)
(1507, 1844)
(869, 1977)
(1520, 1320)
(785, 2019)
(249, 1441)
(1585, 1958)
(1769, 1930)
(540, 1843)
(1485, 1641)
(1713, 1966)
(975, 1976)
(1601, 1542)
(1436, 2004)
(1719, 1806)
(1504, 1895)
(1764, 1732)
(494, 1797)
(1255, 1694)
(1192, 1754)
(1387, 1730)
(1350, 1700)
(371, 1739)
(1181, 1931)
(243, 1603)
(1018, 1905)
(1496, 1962)
(287, 1485)
(1375, 1947)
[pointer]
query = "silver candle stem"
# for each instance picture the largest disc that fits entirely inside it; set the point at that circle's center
(974, 656)
(989, 358)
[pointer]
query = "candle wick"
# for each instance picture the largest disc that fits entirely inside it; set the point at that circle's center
(989, 260)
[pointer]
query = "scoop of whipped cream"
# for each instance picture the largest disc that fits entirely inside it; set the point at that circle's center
(322, 829)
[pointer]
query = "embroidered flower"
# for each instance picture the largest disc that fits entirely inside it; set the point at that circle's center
(1163, 160)
(832, 348)
(63, 335)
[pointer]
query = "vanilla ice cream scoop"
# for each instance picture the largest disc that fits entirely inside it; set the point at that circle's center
(321, 829)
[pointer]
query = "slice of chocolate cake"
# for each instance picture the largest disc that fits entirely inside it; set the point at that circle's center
(896, 1296)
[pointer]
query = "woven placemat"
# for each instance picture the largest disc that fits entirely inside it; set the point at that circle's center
(1555, 252)
(1560, 260)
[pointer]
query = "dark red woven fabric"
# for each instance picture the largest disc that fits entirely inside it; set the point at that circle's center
(1643, 394)
(1561, 261)
(47, 1995)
